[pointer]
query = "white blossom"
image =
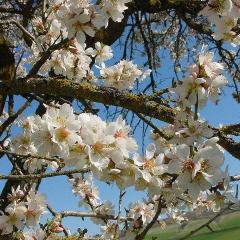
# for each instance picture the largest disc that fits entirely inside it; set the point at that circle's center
(15, 218)
(122, 75)
(103, 52)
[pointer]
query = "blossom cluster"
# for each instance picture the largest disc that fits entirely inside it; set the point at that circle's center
(182, 168)
(205, 80)
(122, 75)
(81, 140)
(68, 19)
(224, 16)
(86, 141)
(24, 210)
(176, 170)
(70, 23)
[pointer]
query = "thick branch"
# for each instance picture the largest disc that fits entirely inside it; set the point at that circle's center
(229, 144)
(24, 30)
(9, 10)
(109, 96)
(106, 36)
(235, 178)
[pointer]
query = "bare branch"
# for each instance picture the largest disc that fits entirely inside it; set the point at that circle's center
(57, 216)
(13, 117)
(91, 214)
(30, 156)
(43, 175)
(154, 127)
(9, 10)
(235, 178)
(24, 30)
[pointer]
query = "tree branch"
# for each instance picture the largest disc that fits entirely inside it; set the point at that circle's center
(24, 30)
(42, 175)
(233, 129)
(13, 117)
(140, 103)
(91, 214)
(108, 96)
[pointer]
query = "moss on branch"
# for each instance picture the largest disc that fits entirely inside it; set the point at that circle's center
(108, 96)
(141, 103)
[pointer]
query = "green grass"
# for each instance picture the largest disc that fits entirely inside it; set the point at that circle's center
(227, 228)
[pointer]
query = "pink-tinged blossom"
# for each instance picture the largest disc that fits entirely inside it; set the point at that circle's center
(35, 234)
(176, 215)
(205, 80)
(223, 15)
(199, 172)
(215, 8)
(79, 26)
(150, 165)
(84, 187)
(110, 231)
(189, 132)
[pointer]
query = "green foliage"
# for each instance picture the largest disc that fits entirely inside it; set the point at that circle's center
(228, 227)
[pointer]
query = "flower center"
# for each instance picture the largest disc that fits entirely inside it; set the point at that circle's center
(149, 164)
(62, 134)
(204, 165)
(98, 147)
(188, 165)
(119, 134)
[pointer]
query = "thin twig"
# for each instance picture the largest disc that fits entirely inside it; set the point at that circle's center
(24, 30)
(121, 194)
(13, 117)
(59, 160)
(155, 128)
(92, 214)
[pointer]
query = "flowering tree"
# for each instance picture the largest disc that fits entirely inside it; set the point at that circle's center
(62, 55)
